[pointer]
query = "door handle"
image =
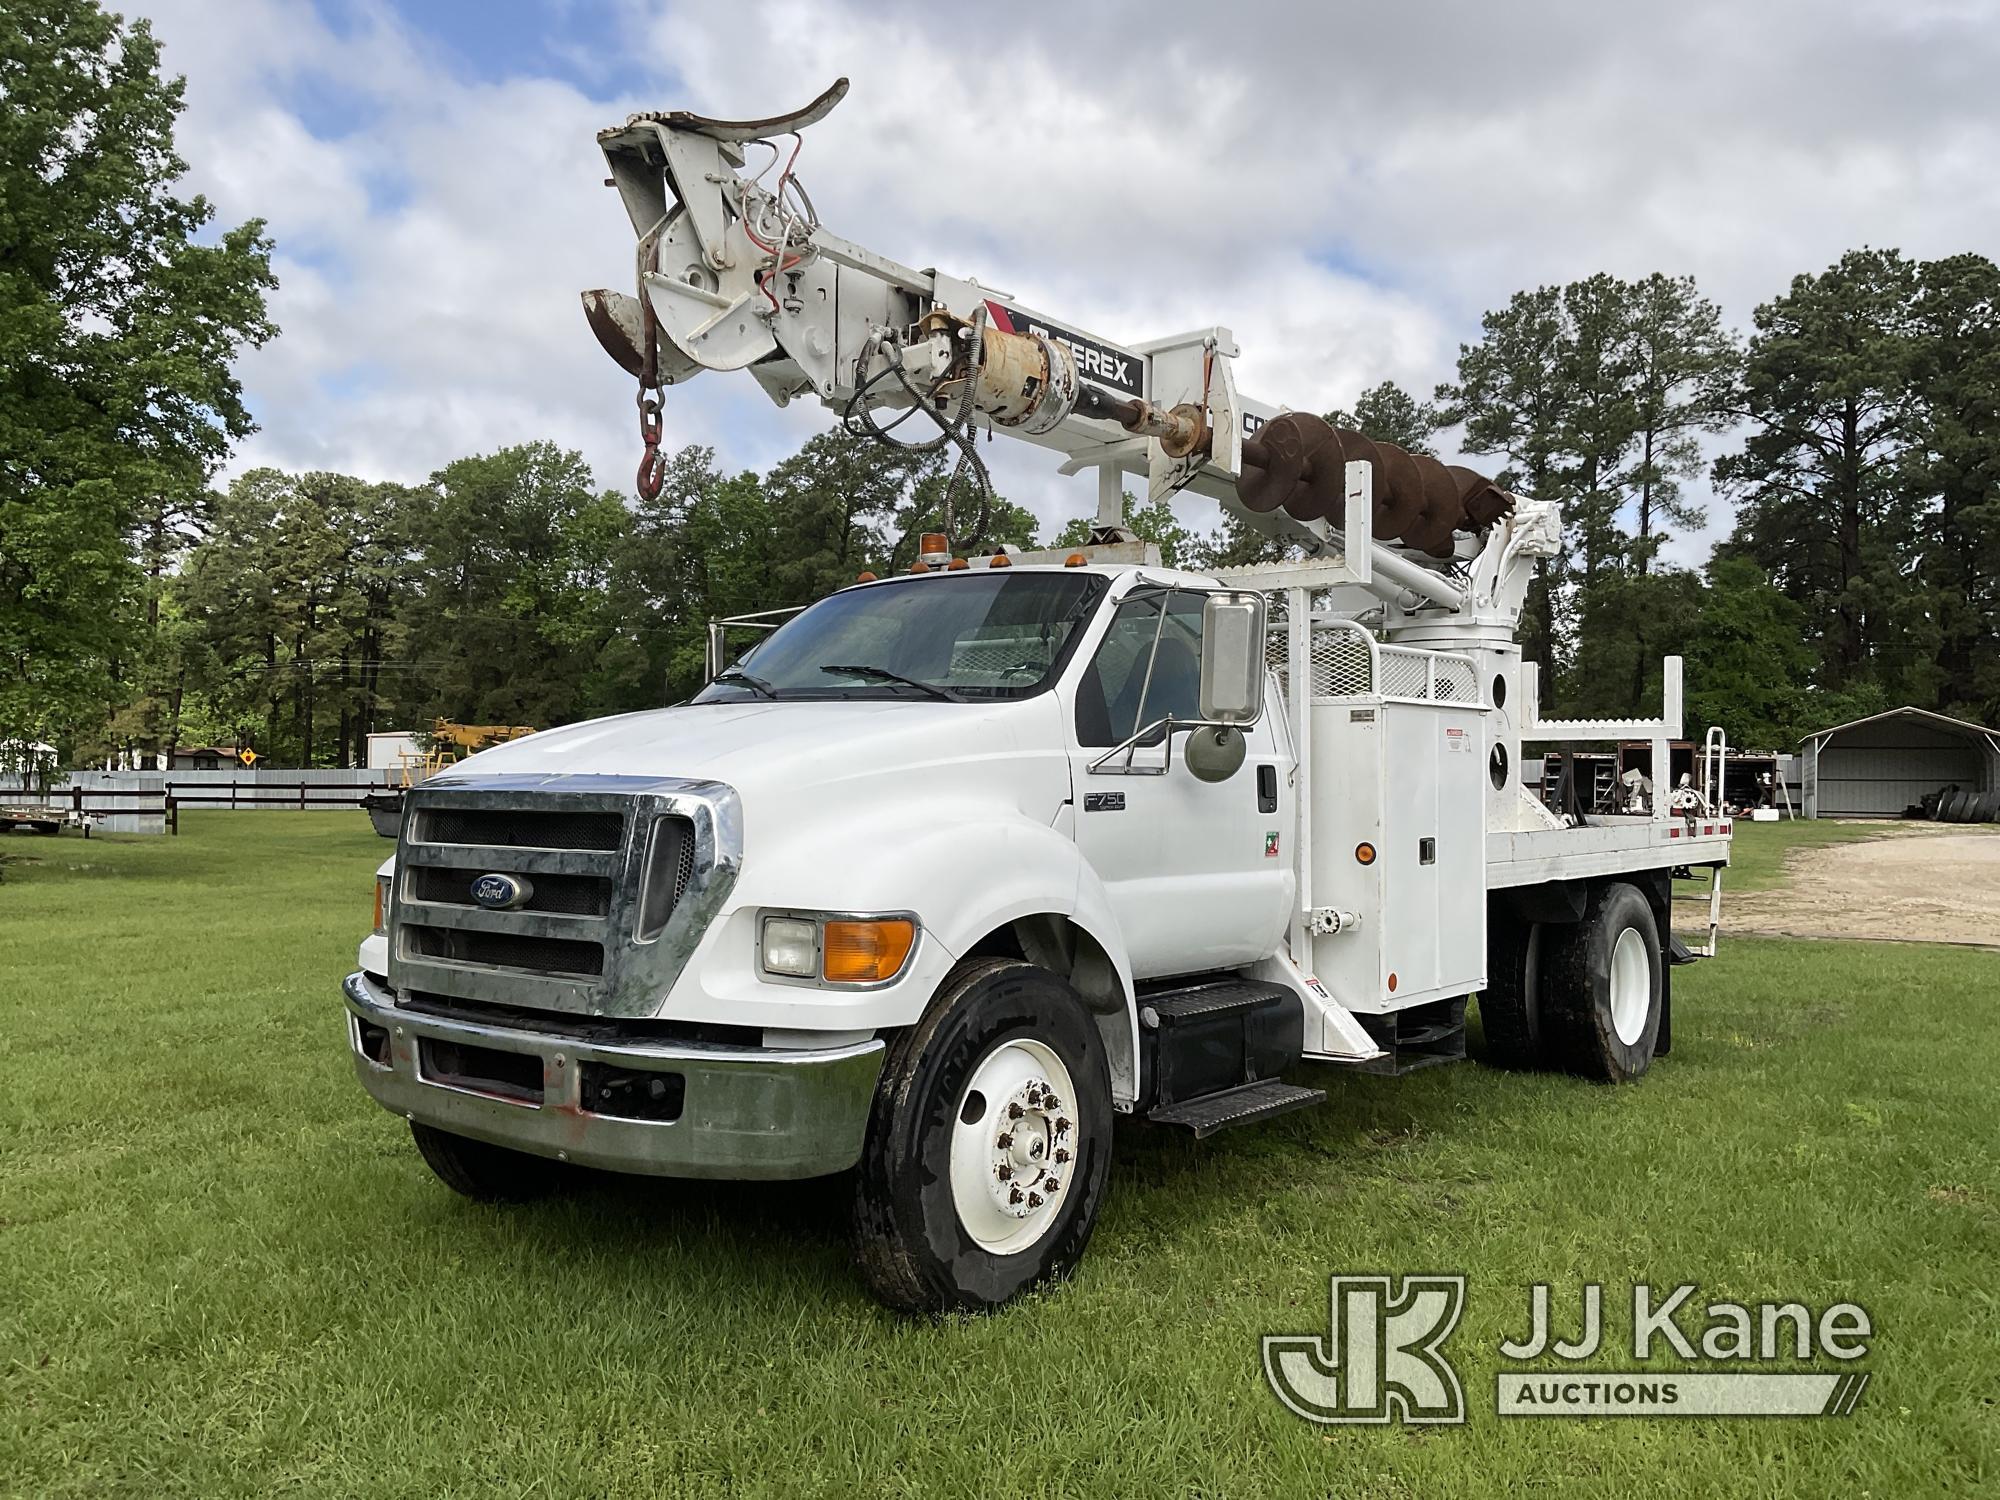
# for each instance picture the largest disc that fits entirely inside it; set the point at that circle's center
(1267, 789)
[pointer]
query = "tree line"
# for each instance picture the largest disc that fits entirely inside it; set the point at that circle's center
(1855, 427)
(306, 611)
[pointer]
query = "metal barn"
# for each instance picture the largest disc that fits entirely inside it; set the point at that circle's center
(1876, 767)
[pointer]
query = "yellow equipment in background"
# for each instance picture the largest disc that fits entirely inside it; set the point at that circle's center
(450, 741)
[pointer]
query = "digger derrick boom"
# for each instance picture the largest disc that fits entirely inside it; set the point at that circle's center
(733, 271)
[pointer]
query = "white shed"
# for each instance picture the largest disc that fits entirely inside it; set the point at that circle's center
(393, 750)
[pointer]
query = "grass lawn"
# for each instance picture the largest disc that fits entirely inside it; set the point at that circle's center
(224, 1270)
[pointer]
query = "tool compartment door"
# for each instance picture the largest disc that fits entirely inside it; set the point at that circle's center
(1434, 851)
(1407, 780)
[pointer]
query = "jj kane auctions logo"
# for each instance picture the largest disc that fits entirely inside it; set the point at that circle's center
(1383, 1357)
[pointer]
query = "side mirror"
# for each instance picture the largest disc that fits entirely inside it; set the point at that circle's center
(1232, 658)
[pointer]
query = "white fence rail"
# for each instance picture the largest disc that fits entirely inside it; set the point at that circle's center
(242, 790)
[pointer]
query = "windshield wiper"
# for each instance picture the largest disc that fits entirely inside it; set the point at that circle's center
(750, 680)
(883, 674)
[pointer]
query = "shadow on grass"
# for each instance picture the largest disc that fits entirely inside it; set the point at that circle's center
(1167, 1192)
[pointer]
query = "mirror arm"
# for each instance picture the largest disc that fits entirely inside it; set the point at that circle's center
(1130, 747)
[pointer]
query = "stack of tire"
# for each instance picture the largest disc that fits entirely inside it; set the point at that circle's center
(1954, 804)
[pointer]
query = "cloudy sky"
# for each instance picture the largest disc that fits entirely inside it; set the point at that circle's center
(1345, 186)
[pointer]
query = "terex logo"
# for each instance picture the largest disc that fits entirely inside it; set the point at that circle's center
(1380, 1361)
(1095, 362)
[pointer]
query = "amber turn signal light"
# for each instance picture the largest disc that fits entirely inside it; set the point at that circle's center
(1365, 853)
(1075, 560)
(866, 952)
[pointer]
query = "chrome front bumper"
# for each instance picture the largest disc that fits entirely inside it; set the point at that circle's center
(745, 1112)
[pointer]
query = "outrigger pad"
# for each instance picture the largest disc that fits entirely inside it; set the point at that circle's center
(748, 130)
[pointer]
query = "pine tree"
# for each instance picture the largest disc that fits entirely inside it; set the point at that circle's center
(1826, 504)
(1687, 366)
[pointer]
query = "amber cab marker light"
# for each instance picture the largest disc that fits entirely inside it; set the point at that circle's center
(856, 952)
(919, 567)
(955, 564)
(1075, 560)
(1000, 560)
(1365, 853)
(864, 577)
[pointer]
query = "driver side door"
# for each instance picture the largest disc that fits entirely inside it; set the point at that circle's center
(1198, 873)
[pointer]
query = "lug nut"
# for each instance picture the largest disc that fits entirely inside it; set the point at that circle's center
(1052, 1184)
(1014, 1111)
(1061, 1155)
(1005, 1171)
(1006, 1140)
(1014, 1196)
(1034, 1200)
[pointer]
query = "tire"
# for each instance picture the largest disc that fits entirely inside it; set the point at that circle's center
(1602, 982)
(1954, 806)
(1510, 1018)
(485, 1173)
(934, 1229)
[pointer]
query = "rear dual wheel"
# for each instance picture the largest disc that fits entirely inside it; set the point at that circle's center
(1586, 997)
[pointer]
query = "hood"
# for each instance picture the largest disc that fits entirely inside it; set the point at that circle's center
(756, 744)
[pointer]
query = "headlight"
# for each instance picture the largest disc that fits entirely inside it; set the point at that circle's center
(791, 946)
(836, 949)
(382, 902)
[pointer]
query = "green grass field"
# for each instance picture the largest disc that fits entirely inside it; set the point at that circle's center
(224, 1271)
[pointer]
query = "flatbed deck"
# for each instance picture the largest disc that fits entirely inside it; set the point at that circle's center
(1605, 846)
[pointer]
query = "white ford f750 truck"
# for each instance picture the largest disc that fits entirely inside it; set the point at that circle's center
(953, 869)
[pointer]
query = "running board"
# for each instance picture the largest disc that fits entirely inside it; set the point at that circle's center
(1245, 1104)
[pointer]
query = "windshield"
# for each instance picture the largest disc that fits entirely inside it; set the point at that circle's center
(971, 636)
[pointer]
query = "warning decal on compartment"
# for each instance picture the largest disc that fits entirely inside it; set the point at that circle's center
(1458, 739)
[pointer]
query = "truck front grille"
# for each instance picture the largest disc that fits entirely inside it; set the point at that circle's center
(598, 926)
(506, 950)
(567, 895)
(520, 828)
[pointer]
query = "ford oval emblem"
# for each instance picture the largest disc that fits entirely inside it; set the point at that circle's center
(502, 892)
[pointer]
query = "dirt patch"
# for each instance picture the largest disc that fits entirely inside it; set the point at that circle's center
(1916, 884)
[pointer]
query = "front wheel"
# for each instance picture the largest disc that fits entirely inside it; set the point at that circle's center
(482, 1172)
(988, 1145)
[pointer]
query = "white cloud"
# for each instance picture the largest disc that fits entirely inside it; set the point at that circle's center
(1345, 187)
